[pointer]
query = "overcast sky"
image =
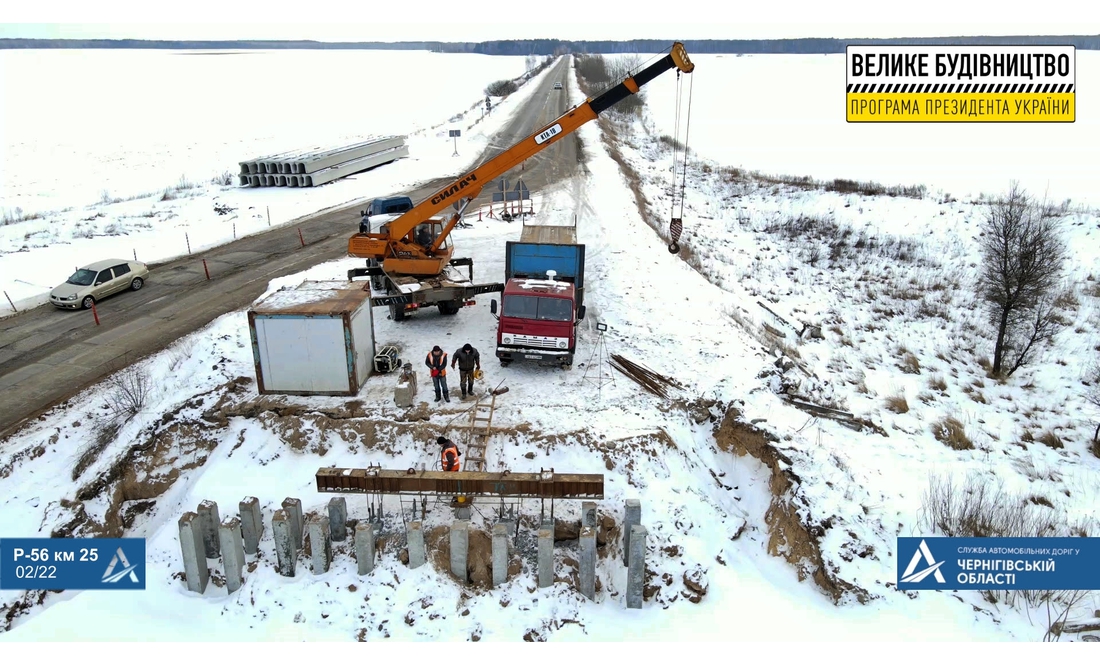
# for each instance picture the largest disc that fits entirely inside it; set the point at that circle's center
(480, 20)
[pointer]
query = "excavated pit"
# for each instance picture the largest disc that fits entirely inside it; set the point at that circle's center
(790, 536)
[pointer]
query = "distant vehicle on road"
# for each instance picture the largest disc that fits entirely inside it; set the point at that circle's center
(96, 281)
(557, 86)
(393, 207)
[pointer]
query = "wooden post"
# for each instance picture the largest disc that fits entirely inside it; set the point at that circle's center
(135, 254)
(188, 239)
(234, 230)
(269, 215)
(206, 270)
(10, 302)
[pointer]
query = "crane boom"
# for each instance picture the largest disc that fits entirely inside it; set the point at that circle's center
(395, 245)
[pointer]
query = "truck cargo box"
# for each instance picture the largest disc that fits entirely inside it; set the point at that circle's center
(532, 261)
(316, 338)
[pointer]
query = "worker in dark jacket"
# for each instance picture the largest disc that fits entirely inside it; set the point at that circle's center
(449, 454)
(468, 359)
(437, 364)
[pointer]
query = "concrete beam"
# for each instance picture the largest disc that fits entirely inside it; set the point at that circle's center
(194, 553)
(500, 554)
(293, 508)
(252, 524)
(338, 518)
(460, 548)
(320, 545)
(635, 574)
(330, 158)
(209, 521)
(232, 553)
(546, 485)
(364, 547)
(588, 563)
(546, 556)
(282, 530)
(356, 165)
(632, 518)
(416, 545)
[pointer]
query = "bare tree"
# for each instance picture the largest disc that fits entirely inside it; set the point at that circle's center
(1022, 258)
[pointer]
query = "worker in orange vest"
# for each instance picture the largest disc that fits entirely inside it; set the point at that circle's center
(449, 454)
(437, 364)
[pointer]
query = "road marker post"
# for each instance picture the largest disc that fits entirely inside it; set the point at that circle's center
(206, 270)
(300, 238)
(95, 315)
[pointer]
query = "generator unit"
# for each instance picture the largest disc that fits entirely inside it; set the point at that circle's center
(386, 360)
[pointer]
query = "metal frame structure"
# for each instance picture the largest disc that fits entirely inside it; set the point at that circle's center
(463, 487)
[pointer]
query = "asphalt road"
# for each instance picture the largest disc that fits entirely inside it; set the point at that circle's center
(48, 355)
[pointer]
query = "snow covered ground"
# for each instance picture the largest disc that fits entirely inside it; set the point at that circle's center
(708, 511)
(112, 182)
(785, 114)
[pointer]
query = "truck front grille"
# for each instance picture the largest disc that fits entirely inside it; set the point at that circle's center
(535, 342)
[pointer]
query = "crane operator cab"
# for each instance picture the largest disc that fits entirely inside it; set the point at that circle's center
(425, 234)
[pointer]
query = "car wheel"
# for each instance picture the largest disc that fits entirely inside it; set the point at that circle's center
(137, 283)
(88, 302)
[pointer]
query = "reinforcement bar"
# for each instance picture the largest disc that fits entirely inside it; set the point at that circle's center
(545, 484)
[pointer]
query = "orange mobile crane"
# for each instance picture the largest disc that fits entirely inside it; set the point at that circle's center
(410, 257)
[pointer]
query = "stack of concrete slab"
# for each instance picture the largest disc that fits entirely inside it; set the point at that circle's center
(316, 166)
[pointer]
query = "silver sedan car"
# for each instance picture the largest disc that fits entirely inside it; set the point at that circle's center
(95, 282)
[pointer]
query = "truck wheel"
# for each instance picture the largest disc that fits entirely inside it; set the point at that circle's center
(448, 308)
(397, 312)
(505, 363)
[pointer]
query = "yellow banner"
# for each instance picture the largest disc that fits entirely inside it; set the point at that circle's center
(960, 107)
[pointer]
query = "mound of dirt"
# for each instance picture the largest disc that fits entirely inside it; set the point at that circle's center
(788, 536)
(479, 556)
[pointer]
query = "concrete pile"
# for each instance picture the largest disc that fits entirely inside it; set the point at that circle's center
(316, 166)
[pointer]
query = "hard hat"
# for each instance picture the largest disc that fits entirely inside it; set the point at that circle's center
(478, 374)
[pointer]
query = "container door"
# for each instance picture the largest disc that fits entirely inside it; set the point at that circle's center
(300, 354)
(362, 331)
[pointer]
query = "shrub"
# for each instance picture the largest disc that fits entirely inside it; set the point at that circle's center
(129, 392)
(897, 404)
(225, 179)
(1050, 440)
(104, 432)
(952, 434)
(980, 509)
(501, 88)
(938, 383)
(910, 364)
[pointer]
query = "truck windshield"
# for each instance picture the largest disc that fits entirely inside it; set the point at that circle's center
(542, 309)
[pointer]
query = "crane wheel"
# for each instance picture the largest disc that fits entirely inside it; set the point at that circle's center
(674, 248)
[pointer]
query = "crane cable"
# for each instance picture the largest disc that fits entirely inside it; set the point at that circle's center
(676, 225)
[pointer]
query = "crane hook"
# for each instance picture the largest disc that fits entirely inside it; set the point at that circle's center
(674, 229)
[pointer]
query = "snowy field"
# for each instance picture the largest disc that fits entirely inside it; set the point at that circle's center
(901, 293)
(128, 177)
(784, 114)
